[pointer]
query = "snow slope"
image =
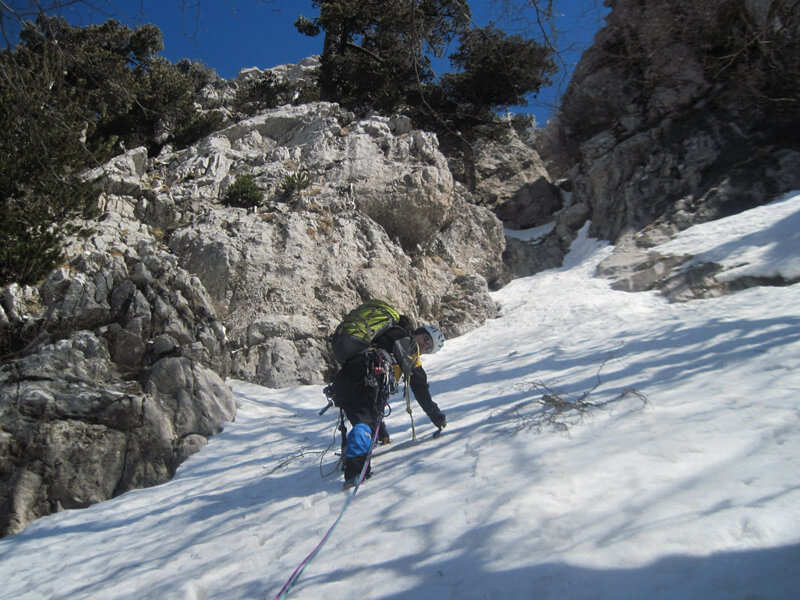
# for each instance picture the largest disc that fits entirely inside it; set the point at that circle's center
(600, 445)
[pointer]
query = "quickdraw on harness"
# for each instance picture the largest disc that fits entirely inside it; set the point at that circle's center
(379, 374)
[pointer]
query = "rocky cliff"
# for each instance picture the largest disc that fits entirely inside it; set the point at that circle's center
(679, 113)
(115, 375)
(116, 363)
(382, 217)
(114, 366)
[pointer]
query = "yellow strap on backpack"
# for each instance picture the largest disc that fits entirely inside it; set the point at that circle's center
(398, 372)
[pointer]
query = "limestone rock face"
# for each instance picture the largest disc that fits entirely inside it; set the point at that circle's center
(116, 375)
(657, 134)
(533, 205)
(512, 181)
(117, 360)
(381, 218)
(78, 434)
(663, 129)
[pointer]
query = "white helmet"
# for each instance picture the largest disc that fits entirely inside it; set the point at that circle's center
(434, 338)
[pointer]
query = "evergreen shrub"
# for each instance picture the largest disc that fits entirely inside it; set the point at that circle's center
(295, 182)
(243, 192)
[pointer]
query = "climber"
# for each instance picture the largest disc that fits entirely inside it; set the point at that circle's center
(394, 353)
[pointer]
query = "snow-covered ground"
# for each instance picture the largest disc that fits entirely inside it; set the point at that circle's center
(600, 445)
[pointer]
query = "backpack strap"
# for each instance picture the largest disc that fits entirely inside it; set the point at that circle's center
(405, 352)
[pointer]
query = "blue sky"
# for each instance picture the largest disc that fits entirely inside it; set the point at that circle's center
(229, 35)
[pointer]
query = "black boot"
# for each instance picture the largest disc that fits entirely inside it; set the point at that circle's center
(352, 470)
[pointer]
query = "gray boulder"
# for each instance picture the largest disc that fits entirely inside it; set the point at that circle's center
(114, 376)
(74, 432)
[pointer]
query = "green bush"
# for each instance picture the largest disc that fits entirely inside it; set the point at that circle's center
(71, 98)
(243, 192)
(199, 74)
(198, 128)
(47, 123)
(295, 182)
(260, 93)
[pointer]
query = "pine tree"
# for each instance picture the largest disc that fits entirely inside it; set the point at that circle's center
(376, 53)
(70, 98)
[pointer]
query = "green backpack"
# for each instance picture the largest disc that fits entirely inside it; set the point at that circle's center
(354, 335)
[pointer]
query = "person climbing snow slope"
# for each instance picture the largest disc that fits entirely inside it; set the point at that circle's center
(371, 371)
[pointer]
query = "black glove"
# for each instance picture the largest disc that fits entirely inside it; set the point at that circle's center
(440, 420)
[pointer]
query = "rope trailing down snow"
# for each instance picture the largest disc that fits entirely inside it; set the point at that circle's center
(301, 567)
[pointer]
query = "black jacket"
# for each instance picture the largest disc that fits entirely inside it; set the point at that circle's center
(402, 345)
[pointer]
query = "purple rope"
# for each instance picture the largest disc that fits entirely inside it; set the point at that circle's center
(301, 567)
